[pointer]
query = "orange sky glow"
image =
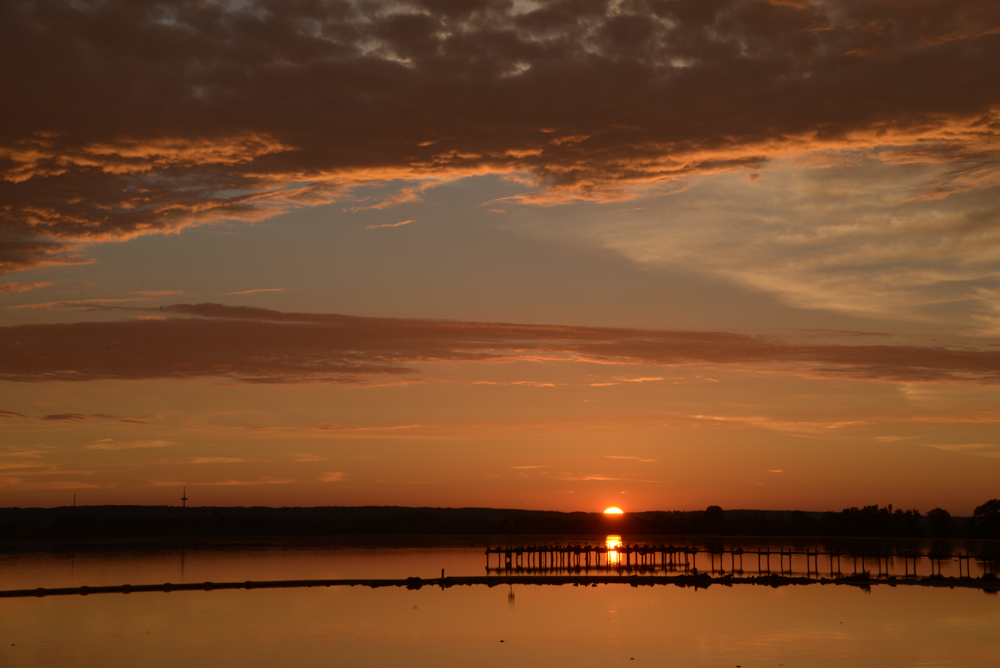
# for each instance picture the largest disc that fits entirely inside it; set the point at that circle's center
(654, 255)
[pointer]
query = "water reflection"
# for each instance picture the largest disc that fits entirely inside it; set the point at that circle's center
(606, 625)
(613, 543)
(603, 624)
(223, 562)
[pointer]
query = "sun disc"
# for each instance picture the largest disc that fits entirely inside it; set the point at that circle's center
(614, 511)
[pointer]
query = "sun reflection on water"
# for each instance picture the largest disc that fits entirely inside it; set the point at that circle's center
(613, 543)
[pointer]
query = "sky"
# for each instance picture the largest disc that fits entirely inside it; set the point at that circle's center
(653, 254)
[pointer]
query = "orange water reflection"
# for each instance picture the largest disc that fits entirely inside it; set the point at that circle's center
(613, 543)
(820, 627)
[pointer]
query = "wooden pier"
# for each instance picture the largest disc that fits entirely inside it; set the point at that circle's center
(659, 558)
(556, 558)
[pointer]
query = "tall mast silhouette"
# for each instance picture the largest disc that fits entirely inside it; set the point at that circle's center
(184, 498)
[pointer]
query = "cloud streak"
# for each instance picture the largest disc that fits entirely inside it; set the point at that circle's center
(108, 444)
(400, 224)
(250, 292)
(587, 100)
(263, 346)
(23, 287)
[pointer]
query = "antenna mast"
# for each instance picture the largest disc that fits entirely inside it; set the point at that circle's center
(184, 498)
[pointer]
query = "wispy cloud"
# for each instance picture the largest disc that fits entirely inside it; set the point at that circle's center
(218, 483)
(800, 427)
(599, 478)
(250, 292)
(22, 484)
(31, 453)
(404, 196)
(638, 459)
(78, 303)
(963, 447)
(76, 417)
(108, 444)
(23, 287)
(333, 476)
(238, 483)
(83, 417)
(337, 427)
(400, 224)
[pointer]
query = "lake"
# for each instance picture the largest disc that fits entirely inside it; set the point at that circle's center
(520, 625)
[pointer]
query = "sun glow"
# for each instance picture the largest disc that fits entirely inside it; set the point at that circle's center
(614, 511)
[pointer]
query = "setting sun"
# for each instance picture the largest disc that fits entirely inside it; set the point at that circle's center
(614, 511)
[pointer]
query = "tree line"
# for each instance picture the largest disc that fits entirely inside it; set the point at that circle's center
(117, 522)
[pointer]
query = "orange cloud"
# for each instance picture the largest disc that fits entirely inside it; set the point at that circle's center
(23, 287)
(376, 227)
(591, 100)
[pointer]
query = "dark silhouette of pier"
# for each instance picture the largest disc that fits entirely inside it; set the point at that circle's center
(547, 559)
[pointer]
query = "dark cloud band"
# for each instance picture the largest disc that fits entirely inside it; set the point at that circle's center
(124, 118)
(262, 346)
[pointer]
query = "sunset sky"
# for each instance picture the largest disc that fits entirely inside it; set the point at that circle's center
(655, 254)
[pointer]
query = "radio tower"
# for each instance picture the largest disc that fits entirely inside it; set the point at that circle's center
(184, 498)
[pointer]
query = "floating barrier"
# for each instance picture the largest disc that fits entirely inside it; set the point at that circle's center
(988, 582)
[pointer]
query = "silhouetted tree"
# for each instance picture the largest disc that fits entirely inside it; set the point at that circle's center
(714, 520)
(987, 518)
(800, 524)
(940, 520)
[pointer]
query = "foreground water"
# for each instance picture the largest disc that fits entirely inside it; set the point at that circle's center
(816, 625)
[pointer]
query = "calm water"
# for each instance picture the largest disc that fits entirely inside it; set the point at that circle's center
(548, 626)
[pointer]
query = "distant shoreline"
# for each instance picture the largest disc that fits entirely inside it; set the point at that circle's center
(142, 523)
